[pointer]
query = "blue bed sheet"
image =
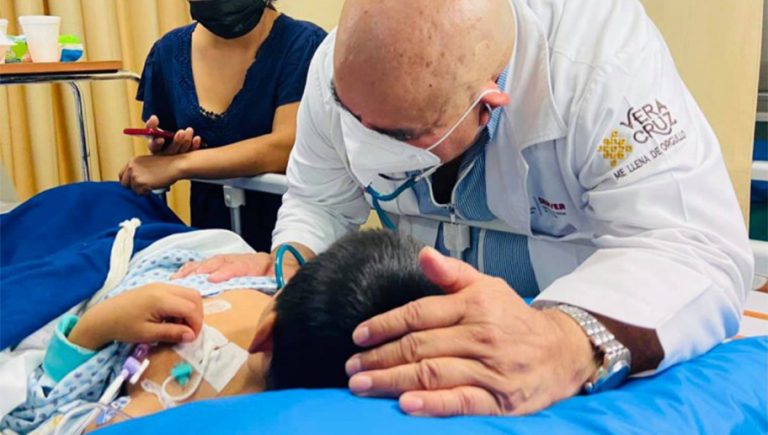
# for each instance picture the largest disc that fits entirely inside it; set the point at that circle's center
(55, 252)
(55, 248)
(722, 392)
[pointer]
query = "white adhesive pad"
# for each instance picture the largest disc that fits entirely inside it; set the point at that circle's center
(215, 306)
(224, 358)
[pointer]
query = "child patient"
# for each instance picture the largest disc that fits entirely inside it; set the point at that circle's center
(300, 338)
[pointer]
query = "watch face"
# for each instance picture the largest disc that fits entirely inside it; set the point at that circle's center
(609, 379)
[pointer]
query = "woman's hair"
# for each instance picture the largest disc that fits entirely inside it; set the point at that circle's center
(362, 275)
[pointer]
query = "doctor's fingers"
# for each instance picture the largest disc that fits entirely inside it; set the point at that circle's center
(426, 313)
(451, 402)
(476, 400)
(425, 375)
(462, 341)
(224, 267)
(259, 264)
(450, 274)
(192, 267)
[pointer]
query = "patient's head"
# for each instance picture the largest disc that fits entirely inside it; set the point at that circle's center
(362, 275)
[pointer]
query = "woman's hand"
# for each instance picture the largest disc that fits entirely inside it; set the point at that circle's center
(183, 142)
(143, 174)
(155, 312)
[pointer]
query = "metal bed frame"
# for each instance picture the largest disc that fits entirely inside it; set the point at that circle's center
(234, 197)
(72, 79)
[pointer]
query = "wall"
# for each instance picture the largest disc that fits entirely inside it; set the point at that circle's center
(324, 13)
(716, 45)
(720, 67)
(764, 63)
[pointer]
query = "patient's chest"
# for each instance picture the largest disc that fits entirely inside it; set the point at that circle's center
(234, 318)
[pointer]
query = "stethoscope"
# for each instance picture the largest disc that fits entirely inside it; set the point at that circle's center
(279, 256)
(377, 198)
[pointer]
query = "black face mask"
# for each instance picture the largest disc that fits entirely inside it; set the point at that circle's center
(228, 19)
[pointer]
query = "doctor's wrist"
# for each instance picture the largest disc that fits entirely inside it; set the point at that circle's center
(578, 352)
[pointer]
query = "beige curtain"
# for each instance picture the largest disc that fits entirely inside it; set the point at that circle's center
(38, 133)
(716, 44)
(39, 144)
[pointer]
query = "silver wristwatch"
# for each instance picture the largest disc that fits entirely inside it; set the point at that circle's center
(616, 358)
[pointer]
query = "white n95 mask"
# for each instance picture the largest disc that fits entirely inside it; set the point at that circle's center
(371, 153)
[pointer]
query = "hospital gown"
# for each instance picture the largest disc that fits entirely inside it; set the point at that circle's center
(46, 400)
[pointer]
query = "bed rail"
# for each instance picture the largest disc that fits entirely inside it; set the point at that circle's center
(234, 197)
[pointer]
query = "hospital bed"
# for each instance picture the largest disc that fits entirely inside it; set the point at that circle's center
(760, 173)
(723, 391)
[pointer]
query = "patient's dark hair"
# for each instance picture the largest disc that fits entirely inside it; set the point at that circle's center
(362, 275)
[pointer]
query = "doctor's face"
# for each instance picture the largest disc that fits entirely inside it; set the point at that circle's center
(419, 128)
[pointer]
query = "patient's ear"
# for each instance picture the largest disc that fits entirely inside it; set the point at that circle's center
(262, 342)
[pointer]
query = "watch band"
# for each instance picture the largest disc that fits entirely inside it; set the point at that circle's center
(616, 358)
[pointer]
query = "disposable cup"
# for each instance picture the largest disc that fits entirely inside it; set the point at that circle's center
(42, 32)
(4, 43)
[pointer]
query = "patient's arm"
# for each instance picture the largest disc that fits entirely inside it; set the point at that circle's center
(155, 312)
(238, 323)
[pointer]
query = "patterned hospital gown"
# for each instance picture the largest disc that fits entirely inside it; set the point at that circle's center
(47, 400)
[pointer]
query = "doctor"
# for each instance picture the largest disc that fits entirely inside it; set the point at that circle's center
(550, 144)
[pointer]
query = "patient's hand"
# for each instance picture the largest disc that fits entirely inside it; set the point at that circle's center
(155, 312)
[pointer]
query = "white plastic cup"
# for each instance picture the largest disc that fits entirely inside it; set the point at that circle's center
(4, 44)
(42, 32)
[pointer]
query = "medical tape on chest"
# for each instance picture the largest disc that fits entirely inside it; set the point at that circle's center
(215, 306)
(213, 356)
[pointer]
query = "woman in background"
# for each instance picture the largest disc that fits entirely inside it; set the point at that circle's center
(229, 86)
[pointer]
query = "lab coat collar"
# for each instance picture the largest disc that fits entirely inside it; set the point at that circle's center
(531, 111)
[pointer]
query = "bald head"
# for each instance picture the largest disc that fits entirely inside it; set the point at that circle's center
(417, 64)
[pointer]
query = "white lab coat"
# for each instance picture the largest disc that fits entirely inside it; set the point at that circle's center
(602, 158)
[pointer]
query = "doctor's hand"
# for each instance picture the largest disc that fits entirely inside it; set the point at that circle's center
(478, 350)
(143, 174)
(183, 142)
(155, 312)
(222, 268)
